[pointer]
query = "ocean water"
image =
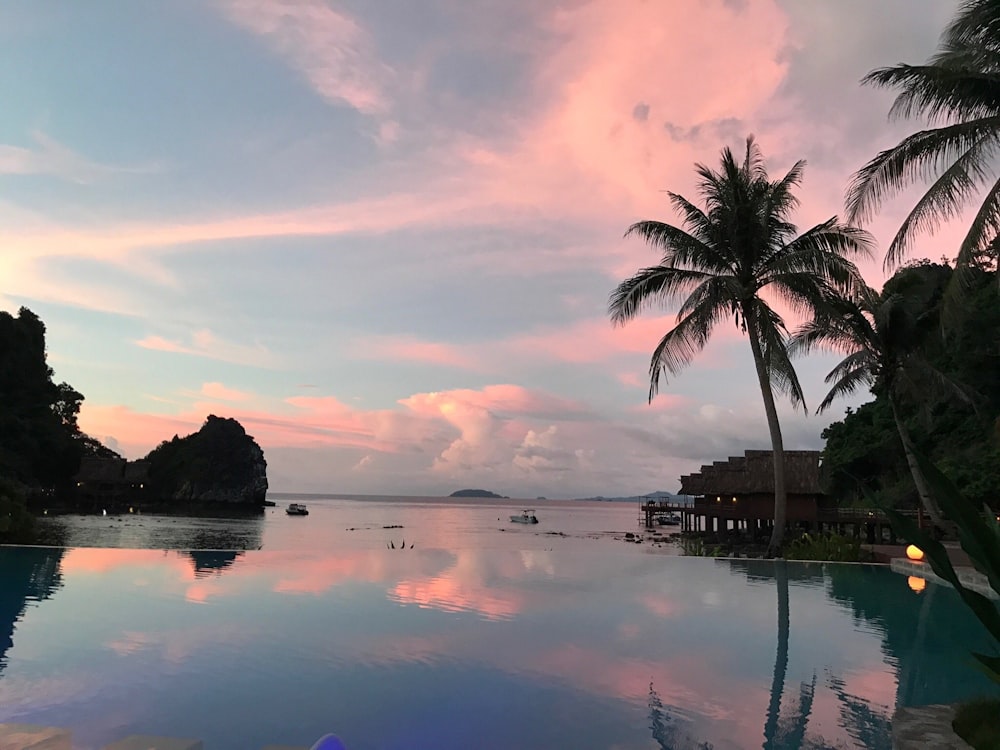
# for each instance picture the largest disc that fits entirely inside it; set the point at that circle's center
(482, 635)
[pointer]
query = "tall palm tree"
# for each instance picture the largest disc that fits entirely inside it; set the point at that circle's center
(880, 334)
(722, 263)
(958, 93)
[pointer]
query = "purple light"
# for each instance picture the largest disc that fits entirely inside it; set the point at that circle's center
(329, 742)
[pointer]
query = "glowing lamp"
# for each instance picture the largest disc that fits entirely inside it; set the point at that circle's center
(916, 583)
(914, 553)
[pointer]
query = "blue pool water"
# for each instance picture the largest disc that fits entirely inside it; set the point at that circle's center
(571, 639)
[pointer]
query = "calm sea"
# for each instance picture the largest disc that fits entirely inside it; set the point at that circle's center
(369, 522)
(483, 634)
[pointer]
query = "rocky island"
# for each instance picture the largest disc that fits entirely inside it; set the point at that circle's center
(218, 464)
(477, 493)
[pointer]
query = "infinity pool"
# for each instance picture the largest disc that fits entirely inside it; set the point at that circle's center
(471, 648)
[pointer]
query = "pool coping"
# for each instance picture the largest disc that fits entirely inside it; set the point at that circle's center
(921, 727)
(970, 578)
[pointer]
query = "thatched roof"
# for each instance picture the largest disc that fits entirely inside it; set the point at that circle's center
(112, 470)
(753, 472)
(94, 469)
(137, 471)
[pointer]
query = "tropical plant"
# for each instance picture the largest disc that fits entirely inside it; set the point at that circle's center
(958, 93)
(826, 547)
(881, 336)
(721, 265)
(979, 535)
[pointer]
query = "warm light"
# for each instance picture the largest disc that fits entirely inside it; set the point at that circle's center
(916, 583)
(914, 552)
(718, 499)
(734, 499)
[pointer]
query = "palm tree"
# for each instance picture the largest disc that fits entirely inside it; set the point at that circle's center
(880, 334)
(720, 264)
(958, 92)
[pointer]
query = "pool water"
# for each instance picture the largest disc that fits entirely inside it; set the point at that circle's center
(471, 648)
(561, 636)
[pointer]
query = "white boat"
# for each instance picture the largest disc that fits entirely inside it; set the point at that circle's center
(297, 509)
(671, 519)
(526, 516)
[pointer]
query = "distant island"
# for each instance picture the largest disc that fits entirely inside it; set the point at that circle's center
(477, 493)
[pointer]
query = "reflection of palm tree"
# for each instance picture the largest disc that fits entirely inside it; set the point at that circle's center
(780, 658)
(29, 573)
(867, 726)
(665, 730)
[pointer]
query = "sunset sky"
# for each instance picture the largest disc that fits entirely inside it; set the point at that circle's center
(382, 235)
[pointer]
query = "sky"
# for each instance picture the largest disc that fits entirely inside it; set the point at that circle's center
(382, 235)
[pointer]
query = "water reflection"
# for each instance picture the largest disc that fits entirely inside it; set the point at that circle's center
(31, 576)
(245, 649)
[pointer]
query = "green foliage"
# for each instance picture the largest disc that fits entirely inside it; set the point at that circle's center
(826, 547)
(17, 525)
(39, 437)
(979, 535)
(978, 723)
(694, 546)
(959, 436)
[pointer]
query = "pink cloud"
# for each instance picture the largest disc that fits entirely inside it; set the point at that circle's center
(327, 46)
(222, 393)
(204, 343)
(664, 402)
(409, 349)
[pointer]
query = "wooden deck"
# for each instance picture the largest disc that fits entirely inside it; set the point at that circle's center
(871, 525)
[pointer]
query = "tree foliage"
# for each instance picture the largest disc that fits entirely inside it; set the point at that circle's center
(957, 93)
(40, 442)
(961, 437)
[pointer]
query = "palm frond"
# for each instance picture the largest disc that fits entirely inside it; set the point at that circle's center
(848, 384)
(680, 345)
(984, 229)
(918, 156)
(941, 91)
(768, 328)
(977, 23)
(656, 284)
(944, 199)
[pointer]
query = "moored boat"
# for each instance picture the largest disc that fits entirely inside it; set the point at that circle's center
(527, 516)
(297, 509)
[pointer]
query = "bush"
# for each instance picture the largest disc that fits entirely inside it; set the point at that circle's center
(978, 723)
(17, 525)
(827, 547)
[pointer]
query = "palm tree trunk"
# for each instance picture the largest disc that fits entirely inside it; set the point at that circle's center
(780, 658)
(777, 447)
(923, 491)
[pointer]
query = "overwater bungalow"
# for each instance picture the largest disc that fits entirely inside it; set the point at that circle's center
(738, 494)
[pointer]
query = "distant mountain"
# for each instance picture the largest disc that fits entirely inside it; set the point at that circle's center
(659, 496)
(477, 493)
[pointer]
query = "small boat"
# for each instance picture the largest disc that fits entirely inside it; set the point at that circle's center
(527, 516)
(671, 519)
(297, 509)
